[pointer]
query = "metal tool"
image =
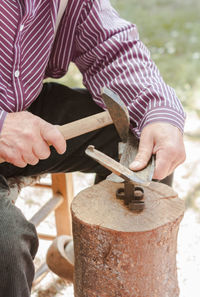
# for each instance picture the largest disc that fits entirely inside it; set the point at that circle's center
(115, 166)
(128, 155)
(118, 112)
(133, 196)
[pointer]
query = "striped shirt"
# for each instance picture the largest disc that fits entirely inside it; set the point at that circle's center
(105, 48)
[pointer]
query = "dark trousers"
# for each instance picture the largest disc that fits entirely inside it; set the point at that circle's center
(56, 104)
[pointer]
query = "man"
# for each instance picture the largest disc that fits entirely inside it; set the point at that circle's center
(39, 39)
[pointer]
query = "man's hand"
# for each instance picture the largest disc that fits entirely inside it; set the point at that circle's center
(166, 142)
(25, 139)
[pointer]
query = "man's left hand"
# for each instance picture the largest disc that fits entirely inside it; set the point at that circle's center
(166, 142)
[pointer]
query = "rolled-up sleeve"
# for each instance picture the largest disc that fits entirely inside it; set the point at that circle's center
(108, 52)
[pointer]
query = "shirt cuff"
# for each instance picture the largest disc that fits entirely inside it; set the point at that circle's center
(3, 114)
(161, 114)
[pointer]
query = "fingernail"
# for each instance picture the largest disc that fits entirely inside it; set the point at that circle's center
(135, 165)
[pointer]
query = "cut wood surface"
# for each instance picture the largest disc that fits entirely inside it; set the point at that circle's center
(121, 253)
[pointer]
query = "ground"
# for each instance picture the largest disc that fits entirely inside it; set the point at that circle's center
(171, 30)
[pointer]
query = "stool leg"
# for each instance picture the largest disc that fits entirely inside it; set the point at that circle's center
(63, 183)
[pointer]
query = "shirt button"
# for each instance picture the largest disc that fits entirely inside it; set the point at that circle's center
(16, 73)
(21, 28)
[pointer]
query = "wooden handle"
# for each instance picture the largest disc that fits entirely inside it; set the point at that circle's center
(83, 126)
(86, 125)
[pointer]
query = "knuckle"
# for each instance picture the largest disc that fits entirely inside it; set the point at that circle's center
(13, 157)
(142, 156)
(20, 148)
(159, 175)
(17, 161)
(35, 121)
(4, 154)
(32, 160)
(44, 155)
(171, 149)
(47, 128)
(42, 150)
(27, 135)
(176, 152)
(21, 164)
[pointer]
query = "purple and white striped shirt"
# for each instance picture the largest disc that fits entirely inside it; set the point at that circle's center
(106, 49)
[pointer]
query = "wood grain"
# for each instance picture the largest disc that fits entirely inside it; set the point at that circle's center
(121, 253)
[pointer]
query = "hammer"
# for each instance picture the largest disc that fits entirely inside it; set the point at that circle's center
(116, 114)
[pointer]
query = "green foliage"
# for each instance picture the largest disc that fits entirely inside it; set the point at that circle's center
(171, 30)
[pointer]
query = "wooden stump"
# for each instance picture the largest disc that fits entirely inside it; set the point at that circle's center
(119, 253)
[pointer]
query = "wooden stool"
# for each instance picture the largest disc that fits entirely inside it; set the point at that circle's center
(62, 191)
(62, 195)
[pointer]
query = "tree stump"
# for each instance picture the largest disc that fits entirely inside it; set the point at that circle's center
(119, 253)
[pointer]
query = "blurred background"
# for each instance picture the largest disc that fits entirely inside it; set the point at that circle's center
(171, 31)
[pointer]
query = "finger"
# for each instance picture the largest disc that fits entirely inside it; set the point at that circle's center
(144, 153)
(30, 158)
(11, 155)
(26, 152)
(167, 159)
(53, 136)
(41, 150)
(163, 165)
(176, 163)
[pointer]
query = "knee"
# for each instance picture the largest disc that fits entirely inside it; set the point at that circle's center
(18, 246)
(18, 237)
(17, 252)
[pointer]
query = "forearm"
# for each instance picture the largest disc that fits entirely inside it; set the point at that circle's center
(112, 55)
(147, 96)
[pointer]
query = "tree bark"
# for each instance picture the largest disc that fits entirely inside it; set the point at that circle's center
(119, 253)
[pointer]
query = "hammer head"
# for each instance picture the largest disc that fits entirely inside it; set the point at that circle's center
(118, 112)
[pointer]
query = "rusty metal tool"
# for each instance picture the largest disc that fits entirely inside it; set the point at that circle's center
(130, 149)
(133, 196)
(116, 114)
(115, 166)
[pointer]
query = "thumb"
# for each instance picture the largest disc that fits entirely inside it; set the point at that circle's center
(144, 153)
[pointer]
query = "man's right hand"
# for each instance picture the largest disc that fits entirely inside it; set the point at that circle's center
(25, 139)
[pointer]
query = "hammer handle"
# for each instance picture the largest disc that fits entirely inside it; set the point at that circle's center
(83, 126)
